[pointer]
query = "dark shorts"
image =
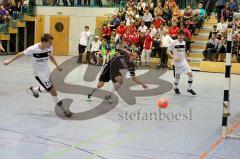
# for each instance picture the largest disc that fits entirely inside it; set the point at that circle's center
(108, 74)
(81, 49)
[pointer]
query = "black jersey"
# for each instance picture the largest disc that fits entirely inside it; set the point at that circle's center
(112, 69)
(122, 62)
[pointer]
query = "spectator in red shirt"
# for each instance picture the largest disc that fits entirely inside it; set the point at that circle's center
(136, 38)
(133, 38)
(125, 37)
(147, 48)
(106, 32)
(188, 36)
(130, 39)
(141, 38)
(173, 31)
(121, 29)
(131, 28)
(187, 32)
(157, 21)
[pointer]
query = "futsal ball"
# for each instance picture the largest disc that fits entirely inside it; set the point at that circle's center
(162, 102)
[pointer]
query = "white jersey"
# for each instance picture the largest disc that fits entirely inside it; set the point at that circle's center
(40, 59)
(179, 50)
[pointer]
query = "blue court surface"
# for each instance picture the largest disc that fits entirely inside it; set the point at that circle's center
(189, 128)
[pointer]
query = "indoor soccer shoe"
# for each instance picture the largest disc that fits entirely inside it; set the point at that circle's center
(59, 103)
(66, 112)
(192, 92)
(177, 91)
(35, 94)
(89, 97)
(108, 99)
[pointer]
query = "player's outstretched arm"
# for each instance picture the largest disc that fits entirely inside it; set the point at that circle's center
(134, 78)
(53, 60)
(17, 56)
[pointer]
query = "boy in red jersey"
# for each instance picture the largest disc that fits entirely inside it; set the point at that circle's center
(147, 48)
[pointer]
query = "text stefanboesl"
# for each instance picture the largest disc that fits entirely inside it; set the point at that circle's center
(140, 115)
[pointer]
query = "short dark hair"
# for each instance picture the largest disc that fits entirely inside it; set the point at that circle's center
(181, 32)
(46, 37)
(87, 27)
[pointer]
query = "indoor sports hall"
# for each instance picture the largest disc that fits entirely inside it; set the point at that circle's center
(119, 79)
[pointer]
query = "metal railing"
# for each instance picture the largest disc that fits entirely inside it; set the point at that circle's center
(16, 16)
(86, 3)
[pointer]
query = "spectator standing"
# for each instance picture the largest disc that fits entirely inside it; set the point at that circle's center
(147, 46)
(84, 36)
(166, 41)
(220, 4)
(156, 49)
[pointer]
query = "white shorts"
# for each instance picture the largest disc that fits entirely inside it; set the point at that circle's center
(178, 70)
(45, 81)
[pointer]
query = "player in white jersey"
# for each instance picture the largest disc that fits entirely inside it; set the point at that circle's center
(177, 51)
(41, 53)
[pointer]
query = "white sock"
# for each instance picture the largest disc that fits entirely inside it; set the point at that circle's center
(107, 57)
(35, 89)
(56, 99)
(116, 86)
(177, 77)
(40, 89)
(104, 60)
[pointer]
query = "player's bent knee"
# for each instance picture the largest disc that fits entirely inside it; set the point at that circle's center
(100, 84)
(189, 74)
(119, 79)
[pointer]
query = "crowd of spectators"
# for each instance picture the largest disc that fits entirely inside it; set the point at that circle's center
(227, 15)
(8, 7)
(149, 27)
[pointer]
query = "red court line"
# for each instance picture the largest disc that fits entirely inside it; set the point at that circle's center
(218, 142)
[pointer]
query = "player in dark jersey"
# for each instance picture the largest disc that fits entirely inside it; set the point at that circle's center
(111, 71)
